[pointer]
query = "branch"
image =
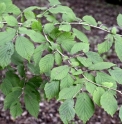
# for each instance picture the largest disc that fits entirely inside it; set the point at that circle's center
(82, 23)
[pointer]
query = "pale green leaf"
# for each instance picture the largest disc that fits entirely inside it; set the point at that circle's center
(69, 92)
(98, 92)
(103, 77)
(59, 73)
(7, 36)
(52, 89)
(66, 82)
(116, 74)
(2, 7)
(38, 53)
(35, 36)
(46, 63)
(6, 51)
(94, 57)
(84, 107)
(80, 35)
(104, 46)
(120, 113)
(90, 20)
(54, 2)
(119, 20)
(109, 103)
(80, 47)
(85, 61)
(29, 15)
(67, 111)
(66, 27)
(90, 87)
(107, 84)
(118, 46)
(101, 66)
(24, 47)
(11, 8)
(58, 58)
(11, 20)
(48, 28)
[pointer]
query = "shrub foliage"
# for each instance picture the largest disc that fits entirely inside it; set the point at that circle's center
(54, 57)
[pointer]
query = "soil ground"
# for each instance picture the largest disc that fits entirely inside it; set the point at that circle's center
(101, 11)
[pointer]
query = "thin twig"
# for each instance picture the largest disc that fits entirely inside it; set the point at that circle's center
(82, 23)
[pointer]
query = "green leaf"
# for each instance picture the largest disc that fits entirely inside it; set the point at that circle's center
(109, 103)
(80, 35)
(16, 109)
(120, 113)
(6, 51)
(119, 20)
(59, 73)
(31, 105)
(11, 97)
(21, 70)
(116, 74)
(36, 26)
(38, 53)
(69, 92)
(66, 40)
(54, 2)
(67, 111)
(58, 58)
(24, 47)
(114, 30)
(17, 59)
(11, 20)
(90, 20)
(52, 89)
(84, 107)
(31, 8)
(68, 14)
(103, 77)
(2, 8)
(94, 57)
(29, 15)
(51, 18)
(66, 27)
(80, 47)
(6, 87)
(118, 46)
(104, 46)
(46, 63)
(101, 66)
(90, 87)
(11, 8)
(7, 36)
(13, 79)
(78, 72)
(97, 95)
(35, 36)
(66, 82)
(48, 28)
(84, 61)
(107, 84)
(33, 69)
